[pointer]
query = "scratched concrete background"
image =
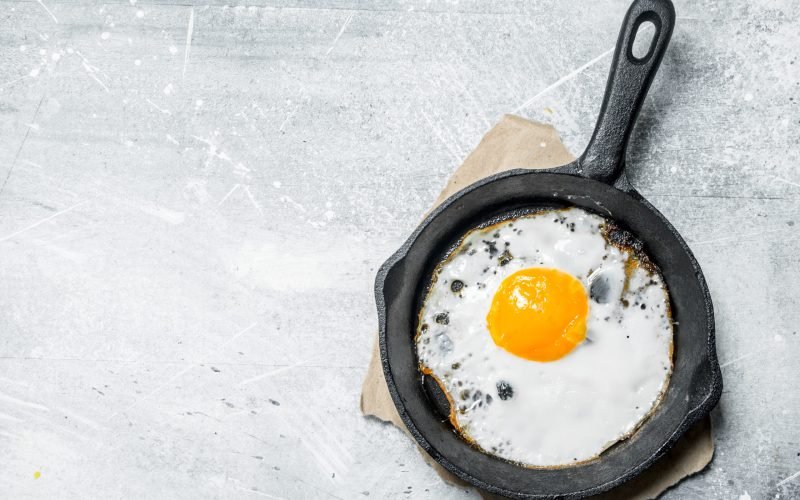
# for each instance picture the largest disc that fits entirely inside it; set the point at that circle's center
(194, 200)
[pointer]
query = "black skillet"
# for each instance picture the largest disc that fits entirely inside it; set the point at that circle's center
(595, 182)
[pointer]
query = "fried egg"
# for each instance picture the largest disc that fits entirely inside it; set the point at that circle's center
(550, 333)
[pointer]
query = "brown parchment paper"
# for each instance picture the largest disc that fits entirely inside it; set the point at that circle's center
(514, 143)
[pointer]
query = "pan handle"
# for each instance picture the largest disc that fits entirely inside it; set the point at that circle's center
(628, 82)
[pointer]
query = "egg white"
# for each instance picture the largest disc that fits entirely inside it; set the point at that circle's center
(561, 412)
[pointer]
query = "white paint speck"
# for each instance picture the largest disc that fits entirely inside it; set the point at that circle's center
(329, 215)
(167, 215)
(42, 52)
(188, 46)
(138, 62)
(673, 169)
(748, 97)
(785, 122)
(778, 337)
(133, 2)
(168, 89)
(299, 270)
(34, 72)
(744, 496)
(276, 184)
(128, 142)
(140, 13)
(542, 144)
(198, 188)
(70, 50)
(173, 49)
(23, 48)
(287, 200)
(105, 35)
(156, 106)
(40, 2)
(198, 103)
(56, 56)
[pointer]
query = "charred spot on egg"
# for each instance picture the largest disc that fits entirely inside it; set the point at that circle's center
(504, 390)
(491, 247)
(544, 323)
(505, 258)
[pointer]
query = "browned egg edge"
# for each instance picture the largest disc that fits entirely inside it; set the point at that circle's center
(613, 235)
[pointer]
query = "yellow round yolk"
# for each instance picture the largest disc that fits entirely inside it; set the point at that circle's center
(539, 314)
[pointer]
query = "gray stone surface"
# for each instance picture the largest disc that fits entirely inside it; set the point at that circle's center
(194, 200)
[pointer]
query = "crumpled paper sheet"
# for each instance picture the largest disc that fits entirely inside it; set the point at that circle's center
(514, 143)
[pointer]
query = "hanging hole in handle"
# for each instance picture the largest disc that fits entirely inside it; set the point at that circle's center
(645, 34)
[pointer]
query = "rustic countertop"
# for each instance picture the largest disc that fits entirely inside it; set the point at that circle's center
(194, 199)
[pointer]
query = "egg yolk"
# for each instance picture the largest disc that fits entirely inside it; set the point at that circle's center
(539, 314)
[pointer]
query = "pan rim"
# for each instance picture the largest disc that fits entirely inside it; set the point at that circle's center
(690, 418)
